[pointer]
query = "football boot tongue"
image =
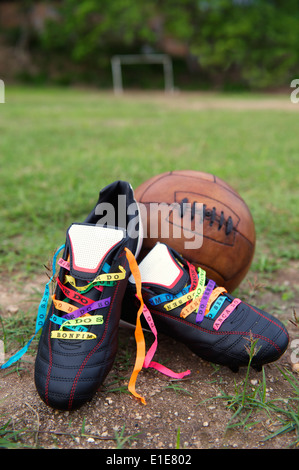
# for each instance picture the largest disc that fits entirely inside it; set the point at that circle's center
(164, 270)
(90, 246)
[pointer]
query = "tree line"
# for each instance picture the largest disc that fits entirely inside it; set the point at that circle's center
(253, 43)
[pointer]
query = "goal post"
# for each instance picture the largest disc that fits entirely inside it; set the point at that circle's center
(2, 91)
(118, 60)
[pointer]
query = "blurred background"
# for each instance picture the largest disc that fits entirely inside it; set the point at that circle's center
(231, 63)
(218, 44)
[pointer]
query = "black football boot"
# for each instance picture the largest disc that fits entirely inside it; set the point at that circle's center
(79, 338)
(192, 309)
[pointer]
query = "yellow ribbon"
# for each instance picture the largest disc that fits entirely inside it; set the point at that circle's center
(101, 278)
(72, 335)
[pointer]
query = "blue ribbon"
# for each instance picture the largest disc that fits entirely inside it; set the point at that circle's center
(217, 306)
(41, 316)
(159, 299)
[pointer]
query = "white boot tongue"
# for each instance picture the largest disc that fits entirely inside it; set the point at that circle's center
(160, 268)
(90, 245)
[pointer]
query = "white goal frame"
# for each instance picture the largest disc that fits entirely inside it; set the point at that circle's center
(2, 92)
(119, 60)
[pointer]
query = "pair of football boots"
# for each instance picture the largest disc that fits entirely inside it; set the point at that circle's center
(100, 283)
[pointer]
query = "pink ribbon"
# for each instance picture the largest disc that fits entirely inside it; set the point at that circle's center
(151, 352)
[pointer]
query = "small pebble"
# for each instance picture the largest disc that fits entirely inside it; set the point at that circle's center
(13, 309)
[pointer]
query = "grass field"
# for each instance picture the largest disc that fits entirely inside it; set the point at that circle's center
(59, 147)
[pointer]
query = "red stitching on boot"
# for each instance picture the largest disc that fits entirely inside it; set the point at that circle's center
(93, 351)
(221, 333)
(50, 363)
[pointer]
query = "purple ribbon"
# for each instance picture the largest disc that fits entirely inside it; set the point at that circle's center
(87, 308)
(204, 300)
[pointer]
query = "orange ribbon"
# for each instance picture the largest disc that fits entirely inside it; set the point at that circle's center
(139, 337)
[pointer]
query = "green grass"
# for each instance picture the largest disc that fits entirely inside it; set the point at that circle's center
(249, 405)
(59, 147)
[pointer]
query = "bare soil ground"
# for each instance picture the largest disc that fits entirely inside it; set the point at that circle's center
(210, 100)
(114, 419)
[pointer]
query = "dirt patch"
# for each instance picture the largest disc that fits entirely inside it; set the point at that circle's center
(198, 101)
(188, 408)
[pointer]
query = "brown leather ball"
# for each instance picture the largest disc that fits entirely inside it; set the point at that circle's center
(225, 225)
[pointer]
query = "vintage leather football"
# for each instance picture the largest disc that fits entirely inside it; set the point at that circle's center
(202, 206)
